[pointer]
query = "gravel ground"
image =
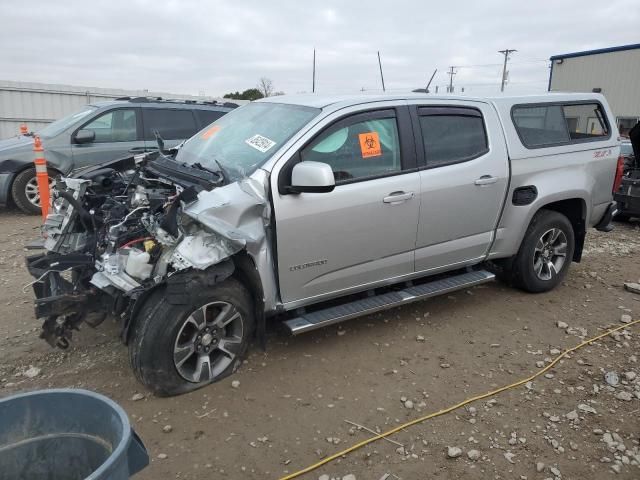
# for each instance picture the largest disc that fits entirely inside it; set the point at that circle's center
(292, 403)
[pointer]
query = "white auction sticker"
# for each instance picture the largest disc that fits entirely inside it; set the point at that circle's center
(260, 143)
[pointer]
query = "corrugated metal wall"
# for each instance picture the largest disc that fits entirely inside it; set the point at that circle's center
(616, 73)
(38, 104)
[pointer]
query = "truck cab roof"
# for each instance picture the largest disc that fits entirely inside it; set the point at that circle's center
(341, 101)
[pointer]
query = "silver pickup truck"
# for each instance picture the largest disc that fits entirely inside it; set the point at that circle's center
(317, 209)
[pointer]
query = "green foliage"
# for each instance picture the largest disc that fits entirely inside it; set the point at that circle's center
(248, 94)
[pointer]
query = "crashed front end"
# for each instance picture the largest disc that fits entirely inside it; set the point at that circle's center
(117, 232)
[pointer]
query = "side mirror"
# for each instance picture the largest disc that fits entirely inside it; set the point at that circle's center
(84, 136)
(312, 177)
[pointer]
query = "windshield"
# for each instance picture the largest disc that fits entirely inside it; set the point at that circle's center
(62, 124)
(241, 141)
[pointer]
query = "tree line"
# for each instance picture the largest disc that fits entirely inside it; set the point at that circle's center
(263, 89)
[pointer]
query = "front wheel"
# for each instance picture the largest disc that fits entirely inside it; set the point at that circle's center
(178, 348)
(545, 254)
(25, 191)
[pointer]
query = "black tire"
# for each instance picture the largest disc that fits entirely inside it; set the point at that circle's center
(525, 273)
(19, 191)
(621, 217)
(155, 336)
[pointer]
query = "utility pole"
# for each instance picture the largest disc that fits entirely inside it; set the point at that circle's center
(313, 86)
(451, 73)
(506, 53)
(381, 76)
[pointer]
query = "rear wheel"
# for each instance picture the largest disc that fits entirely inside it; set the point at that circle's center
(178, 348)
(545, 254)
(25, 192)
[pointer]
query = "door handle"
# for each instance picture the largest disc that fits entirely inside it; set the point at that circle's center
(486, 180)
(398, 197)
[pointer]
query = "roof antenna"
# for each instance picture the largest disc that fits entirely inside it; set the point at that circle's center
(430, 80)
(313, 85)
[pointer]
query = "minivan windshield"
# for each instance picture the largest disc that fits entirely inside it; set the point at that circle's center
(242, 140)
(62, 124)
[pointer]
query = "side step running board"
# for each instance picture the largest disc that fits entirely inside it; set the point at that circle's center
(365, 306)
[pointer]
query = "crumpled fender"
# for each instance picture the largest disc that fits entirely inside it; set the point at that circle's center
(241, 214)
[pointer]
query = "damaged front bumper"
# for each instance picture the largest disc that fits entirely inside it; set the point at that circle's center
(57, 301)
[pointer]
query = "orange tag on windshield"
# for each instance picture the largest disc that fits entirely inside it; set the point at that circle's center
(370, 144)
(210, 132)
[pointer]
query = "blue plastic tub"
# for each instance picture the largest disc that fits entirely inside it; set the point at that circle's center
(67, 434)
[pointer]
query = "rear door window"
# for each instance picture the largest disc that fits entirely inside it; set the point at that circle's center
(452, 135)
(172, 124)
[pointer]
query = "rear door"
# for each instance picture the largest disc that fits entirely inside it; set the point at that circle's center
(464, 179)
(117, 132)
(173, 124)
(364, 231)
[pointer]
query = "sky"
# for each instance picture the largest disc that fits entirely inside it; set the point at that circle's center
(214, 47)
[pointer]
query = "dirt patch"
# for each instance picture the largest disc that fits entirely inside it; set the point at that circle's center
(290, 407)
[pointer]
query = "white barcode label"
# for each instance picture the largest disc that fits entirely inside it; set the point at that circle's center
(260, 143)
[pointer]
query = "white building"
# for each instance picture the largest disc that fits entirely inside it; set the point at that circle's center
(37, 104)
(614, 72)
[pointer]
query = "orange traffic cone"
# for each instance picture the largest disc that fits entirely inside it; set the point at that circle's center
(23, 129)
(42, 176)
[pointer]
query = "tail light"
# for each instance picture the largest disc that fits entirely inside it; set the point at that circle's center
(619, 173)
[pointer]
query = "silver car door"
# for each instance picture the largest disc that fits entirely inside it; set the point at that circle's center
(464, 179)
(363, 232)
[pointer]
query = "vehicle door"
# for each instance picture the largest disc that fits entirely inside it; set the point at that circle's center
(173, 124)
(464, 178)
(116, 132)
(363, 232)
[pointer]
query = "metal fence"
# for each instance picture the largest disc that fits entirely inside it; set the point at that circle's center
(38, 104)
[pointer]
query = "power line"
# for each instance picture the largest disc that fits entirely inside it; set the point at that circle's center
(506, 53)
(451, 73)
(482, 65)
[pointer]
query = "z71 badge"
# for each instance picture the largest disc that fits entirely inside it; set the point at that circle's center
(602, 153)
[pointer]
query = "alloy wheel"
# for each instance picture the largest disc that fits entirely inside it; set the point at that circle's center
(32, 192)
(550, 254)
(209, 340)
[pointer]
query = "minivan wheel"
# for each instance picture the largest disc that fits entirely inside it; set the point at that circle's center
(25, 192)
(178, 348)
(545, 254)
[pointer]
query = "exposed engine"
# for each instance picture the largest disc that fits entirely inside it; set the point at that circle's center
(115, 232)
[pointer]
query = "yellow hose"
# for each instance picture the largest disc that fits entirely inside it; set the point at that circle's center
(361, 444)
